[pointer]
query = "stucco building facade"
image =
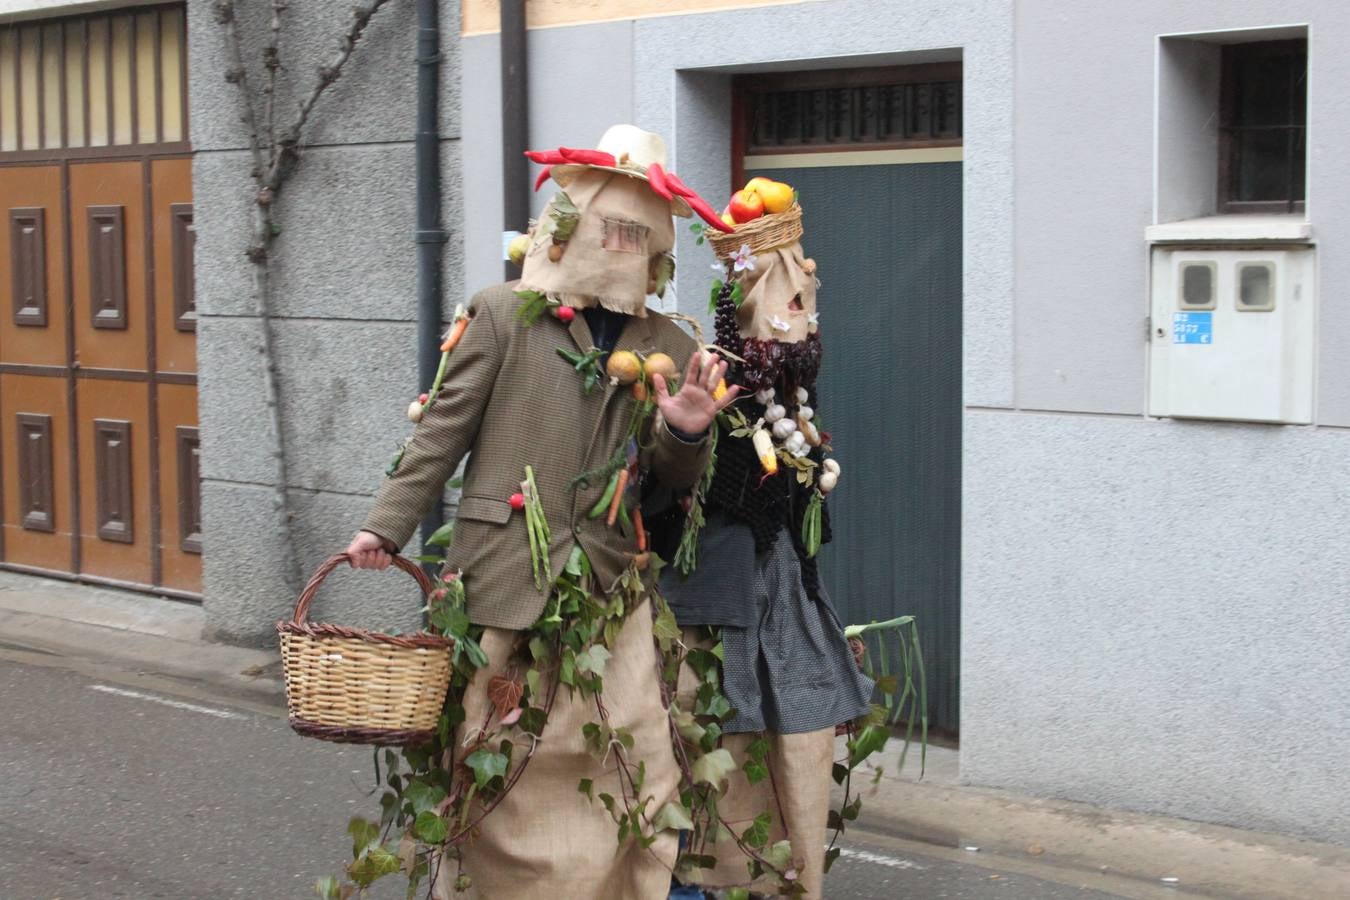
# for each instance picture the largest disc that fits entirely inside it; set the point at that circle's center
(1122, 603)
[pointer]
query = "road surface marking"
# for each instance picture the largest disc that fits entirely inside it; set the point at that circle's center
(165, 701)
(879, 859)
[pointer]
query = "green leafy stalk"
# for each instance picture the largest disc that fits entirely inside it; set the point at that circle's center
(811, 525)
(537, 525)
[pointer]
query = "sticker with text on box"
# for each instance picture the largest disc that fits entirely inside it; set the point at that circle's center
(1193, 328)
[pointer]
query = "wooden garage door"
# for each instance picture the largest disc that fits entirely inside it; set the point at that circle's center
(98, 406)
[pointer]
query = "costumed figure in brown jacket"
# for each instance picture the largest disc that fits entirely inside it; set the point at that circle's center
(570, 399)
(747, 583)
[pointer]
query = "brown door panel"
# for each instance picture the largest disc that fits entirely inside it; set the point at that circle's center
(175, 297)
(107, 244)
(32, 280)
(34, 446)
(179, 490)
(115, 511)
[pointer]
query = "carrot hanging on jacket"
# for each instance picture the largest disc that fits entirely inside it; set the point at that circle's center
(617, 501)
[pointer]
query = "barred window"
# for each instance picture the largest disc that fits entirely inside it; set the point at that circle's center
(912, 106)
(1263, 127)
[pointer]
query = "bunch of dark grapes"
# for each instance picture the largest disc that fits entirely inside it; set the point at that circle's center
(728, 329)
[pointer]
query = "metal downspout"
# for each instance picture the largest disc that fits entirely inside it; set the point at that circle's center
(429, 236)
(515, 122)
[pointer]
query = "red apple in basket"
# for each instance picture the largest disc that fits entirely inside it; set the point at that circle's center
(746, 205)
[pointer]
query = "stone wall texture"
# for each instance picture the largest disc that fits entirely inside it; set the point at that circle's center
(345, 305)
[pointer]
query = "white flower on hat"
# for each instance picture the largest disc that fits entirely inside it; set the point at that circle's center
(743, 260)
(779, 325)
(720, 268)
(813, 319)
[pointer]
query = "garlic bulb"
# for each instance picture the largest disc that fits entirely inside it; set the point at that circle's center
(831, 465)
(783, 428)
(806, 412)
(802, 395)
(765, 397)
(796, 441)
(827, 481)
(414, 412)
(774, 413)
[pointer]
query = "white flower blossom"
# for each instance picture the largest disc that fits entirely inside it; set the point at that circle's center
(813, 319)
(720, 268)
(778, 324)
(743, 260)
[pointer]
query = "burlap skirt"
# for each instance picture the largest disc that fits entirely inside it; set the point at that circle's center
(796, 795)
(546, 840)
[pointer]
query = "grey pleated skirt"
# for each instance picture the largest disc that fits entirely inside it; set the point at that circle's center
(788, 669)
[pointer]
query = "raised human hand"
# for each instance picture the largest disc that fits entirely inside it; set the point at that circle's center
(692, 409)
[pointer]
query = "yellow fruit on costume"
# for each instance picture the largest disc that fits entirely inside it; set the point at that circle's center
(663, 365)
(726, 217)
(623, 366)
(517, 248)
(776, 195)
(754, 183)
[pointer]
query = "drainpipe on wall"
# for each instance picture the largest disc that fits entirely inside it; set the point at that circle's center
(515, 122)
(429, 237)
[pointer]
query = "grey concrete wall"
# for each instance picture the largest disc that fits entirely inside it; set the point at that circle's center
(580, 83)
(345, 289)
(1155, 617)
(1154, 612)
(1084, 176)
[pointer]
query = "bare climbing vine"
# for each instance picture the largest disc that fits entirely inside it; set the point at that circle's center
(275, 148)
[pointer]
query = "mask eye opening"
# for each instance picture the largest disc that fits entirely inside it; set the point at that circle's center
(796, 304)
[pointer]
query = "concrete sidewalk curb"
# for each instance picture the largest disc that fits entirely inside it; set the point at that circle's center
(147, 635)
(1080, 841)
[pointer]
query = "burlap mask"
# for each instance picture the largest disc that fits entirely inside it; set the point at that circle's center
(780, 296)
(623, 229)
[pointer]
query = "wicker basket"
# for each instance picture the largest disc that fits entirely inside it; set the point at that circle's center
(362, 687)
(764, 233)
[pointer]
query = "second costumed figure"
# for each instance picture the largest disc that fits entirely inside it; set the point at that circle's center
(745, 573)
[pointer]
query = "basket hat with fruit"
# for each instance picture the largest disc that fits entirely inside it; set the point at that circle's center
(763, 215)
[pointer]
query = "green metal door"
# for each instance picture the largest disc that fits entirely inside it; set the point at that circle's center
(887, 239)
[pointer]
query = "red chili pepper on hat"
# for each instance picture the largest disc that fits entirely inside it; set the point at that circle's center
(587, 157)
(543, 176)
(656, 177)
(545, 157)
(696, 203)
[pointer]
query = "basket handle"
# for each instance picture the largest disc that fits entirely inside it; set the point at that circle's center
(312, 586)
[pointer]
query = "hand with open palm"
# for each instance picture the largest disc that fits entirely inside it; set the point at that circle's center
(692, 409)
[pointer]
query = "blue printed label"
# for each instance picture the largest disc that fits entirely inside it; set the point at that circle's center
(1193, 328)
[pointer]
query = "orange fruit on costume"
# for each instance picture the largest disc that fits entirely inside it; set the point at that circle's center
(663, 365)
(623, 366)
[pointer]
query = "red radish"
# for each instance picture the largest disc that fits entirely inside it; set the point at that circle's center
(566, 314)
(517, 501)
(421, 398)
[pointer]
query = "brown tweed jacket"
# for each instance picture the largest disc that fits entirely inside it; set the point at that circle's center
(508, 400)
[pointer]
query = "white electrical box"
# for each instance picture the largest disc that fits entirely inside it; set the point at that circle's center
(1232, 333)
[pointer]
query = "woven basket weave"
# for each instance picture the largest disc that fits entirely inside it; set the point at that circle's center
(764, 233)
(354, 686)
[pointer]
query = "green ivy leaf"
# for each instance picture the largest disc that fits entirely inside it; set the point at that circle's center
(713, 768)
(486, 765)
(713, 295)
(665, 628)
(587, 787)
(755, 772)
(757, 835)
(430, 828)
(673, 817)
(441, 536)
(870, 740)
(423, 796)
(831, 855)
(363, 834)
(779, 855)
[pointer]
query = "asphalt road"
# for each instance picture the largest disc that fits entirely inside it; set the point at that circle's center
(119, 785)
